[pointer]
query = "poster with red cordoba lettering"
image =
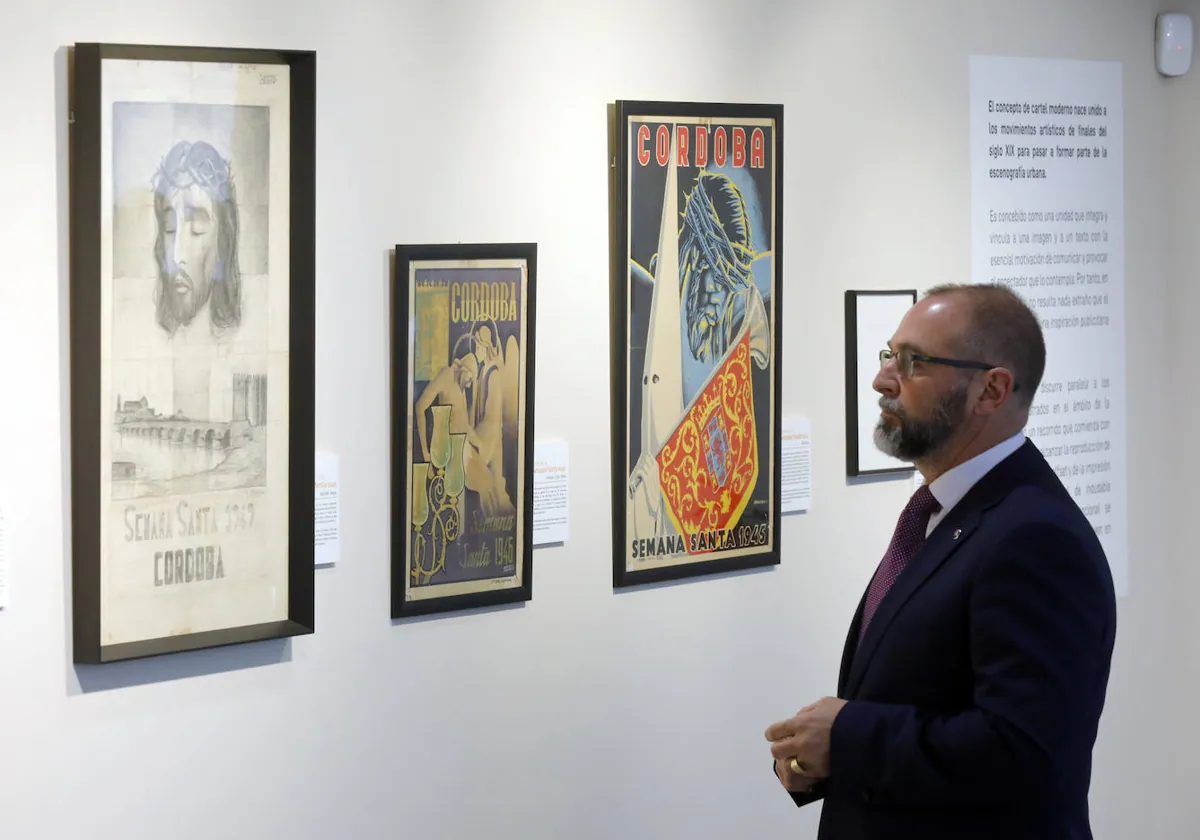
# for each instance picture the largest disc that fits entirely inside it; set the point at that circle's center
(696, 339)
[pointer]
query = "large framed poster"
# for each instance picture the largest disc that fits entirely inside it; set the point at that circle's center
(192, 320)
(696, 339)
(462, 451)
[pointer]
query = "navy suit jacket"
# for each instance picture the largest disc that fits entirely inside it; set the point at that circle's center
(975, 696)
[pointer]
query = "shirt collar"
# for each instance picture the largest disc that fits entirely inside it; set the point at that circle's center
(950, 487)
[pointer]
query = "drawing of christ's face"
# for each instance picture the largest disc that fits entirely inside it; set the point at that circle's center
(190, 238)
(196, 246)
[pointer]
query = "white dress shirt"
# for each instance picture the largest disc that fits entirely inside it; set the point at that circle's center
(949, 487)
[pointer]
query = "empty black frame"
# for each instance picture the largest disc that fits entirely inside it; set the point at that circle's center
(871, 319)
(192, 321)
(463, 353)
(696, 196)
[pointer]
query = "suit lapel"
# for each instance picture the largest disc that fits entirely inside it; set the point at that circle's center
(950, 534)
(850, 646)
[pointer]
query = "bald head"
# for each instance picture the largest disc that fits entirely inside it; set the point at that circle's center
(1000, 329)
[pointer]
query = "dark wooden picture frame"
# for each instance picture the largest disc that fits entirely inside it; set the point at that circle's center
(192, 310)
(867, 333)
(696, 391)
(463, 350)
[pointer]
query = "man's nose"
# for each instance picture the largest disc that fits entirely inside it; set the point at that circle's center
(886, 382)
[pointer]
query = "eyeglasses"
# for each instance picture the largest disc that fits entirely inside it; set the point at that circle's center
(905, 359)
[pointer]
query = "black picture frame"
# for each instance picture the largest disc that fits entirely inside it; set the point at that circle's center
(868, 331)
(208, 548)
(661, 529)
(454, 339)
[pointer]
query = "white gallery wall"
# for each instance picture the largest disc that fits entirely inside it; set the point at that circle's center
(586, 713)
(1178, 405)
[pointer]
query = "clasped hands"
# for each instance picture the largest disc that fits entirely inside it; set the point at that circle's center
(805, 738)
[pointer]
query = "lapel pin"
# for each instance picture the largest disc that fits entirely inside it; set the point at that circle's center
(957, 533)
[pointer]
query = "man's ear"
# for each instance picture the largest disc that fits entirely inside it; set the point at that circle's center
(997, 388)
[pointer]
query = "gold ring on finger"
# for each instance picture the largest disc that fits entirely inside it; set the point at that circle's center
(797, 767)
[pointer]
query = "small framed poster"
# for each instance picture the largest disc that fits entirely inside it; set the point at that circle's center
(871, 320)
(462, 451)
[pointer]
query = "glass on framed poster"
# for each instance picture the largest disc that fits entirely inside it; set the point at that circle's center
(462, 516)
(192, 289)
(696, 338)
(871, 318)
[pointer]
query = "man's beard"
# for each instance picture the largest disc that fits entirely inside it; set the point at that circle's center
(911, 439)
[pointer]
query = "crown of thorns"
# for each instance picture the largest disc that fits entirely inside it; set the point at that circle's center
(709, 234)
(195, 164)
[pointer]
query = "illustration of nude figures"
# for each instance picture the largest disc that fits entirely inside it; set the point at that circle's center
(477, 408)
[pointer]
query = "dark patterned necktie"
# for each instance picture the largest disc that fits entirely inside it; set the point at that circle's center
(908, 536)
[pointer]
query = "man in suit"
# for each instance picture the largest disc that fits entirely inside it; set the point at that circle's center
(975, 669)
